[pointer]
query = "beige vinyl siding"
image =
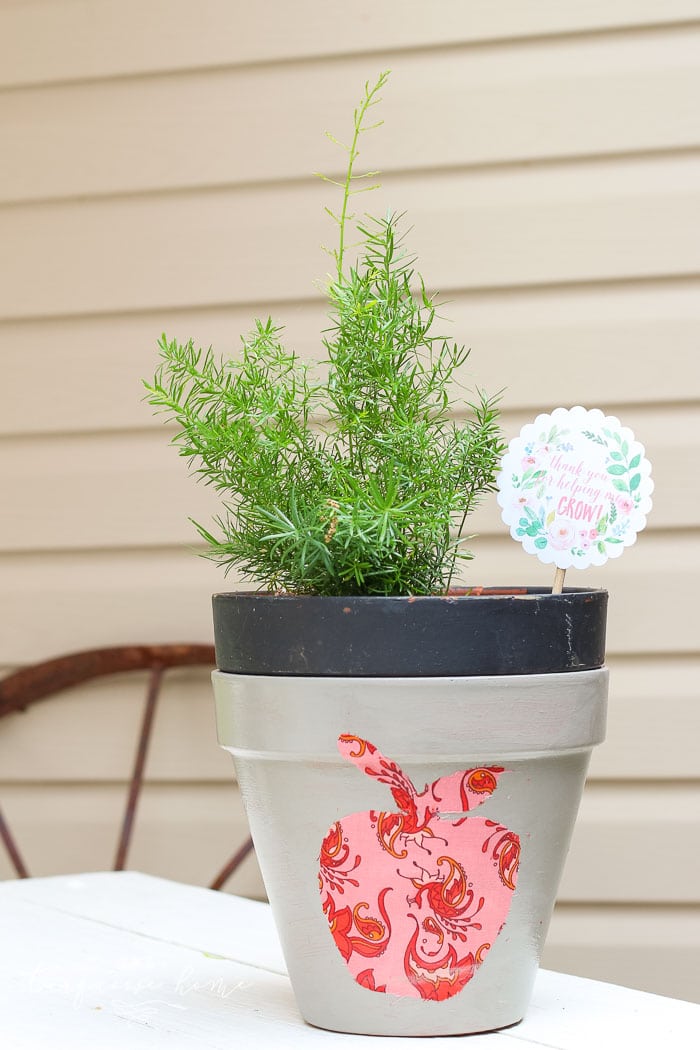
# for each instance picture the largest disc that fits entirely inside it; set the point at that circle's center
(156, 175)
(48, 41)
(601, 95)
(599, 220)
(108, 353)
(161, 496)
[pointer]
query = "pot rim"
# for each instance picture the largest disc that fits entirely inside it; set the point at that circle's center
(531, 631)
(454, 594)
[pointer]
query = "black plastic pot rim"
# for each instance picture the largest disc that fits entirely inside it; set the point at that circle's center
(454, 592)
(474, 631)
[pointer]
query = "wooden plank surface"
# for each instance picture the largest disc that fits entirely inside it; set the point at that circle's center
(144, 904)
(191, 986)
(593, 221)
(551, 99)
(579, 936)
(99, 40)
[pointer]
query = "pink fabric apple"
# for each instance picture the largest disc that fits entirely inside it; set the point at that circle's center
(415, 899)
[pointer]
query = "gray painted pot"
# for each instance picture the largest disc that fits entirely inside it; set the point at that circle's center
(518, 746)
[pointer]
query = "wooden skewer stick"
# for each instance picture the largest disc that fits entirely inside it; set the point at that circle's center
(558, 585)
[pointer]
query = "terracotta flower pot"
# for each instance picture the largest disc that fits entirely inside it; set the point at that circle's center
(411, 771)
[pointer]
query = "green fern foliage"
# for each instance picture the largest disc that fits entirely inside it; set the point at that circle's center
(360, 483)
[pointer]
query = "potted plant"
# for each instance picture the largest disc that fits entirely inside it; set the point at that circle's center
(346, 497)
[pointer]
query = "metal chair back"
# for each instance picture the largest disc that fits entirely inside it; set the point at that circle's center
(25, 687)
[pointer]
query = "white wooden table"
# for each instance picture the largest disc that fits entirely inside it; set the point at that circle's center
(129, 961)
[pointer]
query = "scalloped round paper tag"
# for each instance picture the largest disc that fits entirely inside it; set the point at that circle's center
(575, 488)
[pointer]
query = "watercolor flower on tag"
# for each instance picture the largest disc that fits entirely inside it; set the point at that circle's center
(561, 536)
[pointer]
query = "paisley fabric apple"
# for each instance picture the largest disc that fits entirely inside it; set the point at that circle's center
(415, 899)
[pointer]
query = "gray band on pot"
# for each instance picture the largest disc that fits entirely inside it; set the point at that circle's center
(285, 717)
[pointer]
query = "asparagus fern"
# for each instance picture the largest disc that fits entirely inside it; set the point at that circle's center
(358, 484)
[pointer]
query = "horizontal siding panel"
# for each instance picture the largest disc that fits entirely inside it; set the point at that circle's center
(120, 37)
(653, 948)
(96, 599)
(631, 844)
(611, 860)
(638, 746)
(132, 489)
(611, 337)
(53, 603)
(547, 100)
(593, 221)
(186, 833)
(183, 745)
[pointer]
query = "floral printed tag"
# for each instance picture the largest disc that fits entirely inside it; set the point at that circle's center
(575, 488)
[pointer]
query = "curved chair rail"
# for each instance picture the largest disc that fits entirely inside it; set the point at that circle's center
(25, 687)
